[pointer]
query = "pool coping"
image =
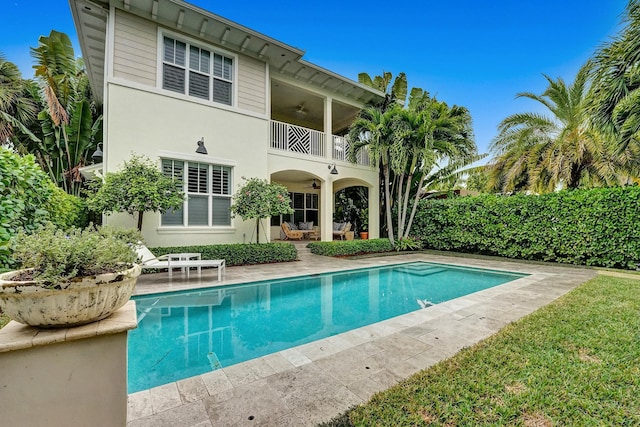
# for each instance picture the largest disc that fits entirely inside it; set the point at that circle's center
(313, 382)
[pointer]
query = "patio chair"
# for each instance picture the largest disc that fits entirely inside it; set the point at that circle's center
(184, 261)
(342, 230)
(291, 234)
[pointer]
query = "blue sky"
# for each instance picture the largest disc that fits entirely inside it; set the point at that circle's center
(469, 52)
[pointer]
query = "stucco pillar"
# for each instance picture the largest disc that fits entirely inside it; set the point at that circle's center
(66, 377)
(328, 128)
(326, 210)
(374, 211)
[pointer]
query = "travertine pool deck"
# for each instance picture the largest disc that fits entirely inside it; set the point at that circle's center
(312, 383)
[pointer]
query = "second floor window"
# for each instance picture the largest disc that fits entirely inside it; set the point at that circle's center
(196, 72)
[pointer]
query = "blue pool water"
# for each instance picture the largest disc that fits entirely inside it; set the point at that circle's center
(189, 333)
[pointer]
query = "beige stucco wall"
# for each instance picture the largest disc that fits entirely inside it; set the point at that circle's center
(148, 123)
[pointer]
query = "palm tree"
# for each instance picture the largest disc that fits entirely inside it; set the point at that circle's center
(395, 96)
(431, 141)
(17, 108)
(540, 152)
(615, 92)
(372, 130)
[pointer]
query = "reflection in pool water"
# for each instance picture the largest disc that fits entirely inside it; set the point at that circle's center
(189, 333)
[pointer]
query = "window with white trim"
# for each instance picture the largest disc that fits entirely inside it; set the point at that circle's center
(196, 72)
(208, 191)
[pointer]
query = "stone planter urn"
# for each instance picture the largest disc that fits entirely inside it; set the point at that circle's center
(77, 302)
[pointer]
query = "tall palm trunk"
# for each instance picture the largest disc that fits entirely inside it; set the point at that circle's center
(387, 196)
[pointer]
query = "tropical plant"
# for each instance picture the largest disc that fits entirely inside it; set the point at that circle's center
(258, 199)
(615, 92)
(66, 210)
(395, 95)
(431, 142)
(418, 144)
(55, 256)
(17, 108)
(408, 244)
(371, 130)
(70, 122)
(351, 206)
(477, 179)
(396, 92)
(138, 187)
(540, 153)
(25, 191)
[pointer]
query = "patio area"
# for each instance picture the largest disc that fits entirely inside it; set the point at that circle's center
(312, 383)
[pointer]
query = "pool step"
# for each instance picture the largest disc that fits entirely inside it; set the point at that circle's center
(420, 270)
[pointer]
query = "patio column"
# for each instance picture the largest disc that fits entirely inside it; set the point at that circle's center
(374, 211)
(328, 127)
(326, 210)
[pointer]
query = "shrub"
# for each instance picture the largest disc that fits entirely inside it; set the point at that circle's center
(66, 210)
(408, 244)
(24, 191)
(58, 256)
(596, 227)
(350, 247)
(239, 253)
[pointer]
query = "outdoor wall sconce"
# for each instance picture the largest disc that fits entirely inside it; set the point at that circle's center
(334, 171)
(201, 148)
(98, 154)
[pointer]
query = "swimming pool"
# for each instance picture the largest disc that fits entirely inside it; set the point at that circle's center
(188, 333)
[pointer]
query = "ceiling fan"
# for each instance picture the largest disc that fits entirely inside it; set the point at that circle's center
(300, 110)
(315, 184)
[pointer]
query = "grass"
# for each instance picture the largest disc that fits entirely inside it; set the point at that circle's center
(573, 362)
(3, 320)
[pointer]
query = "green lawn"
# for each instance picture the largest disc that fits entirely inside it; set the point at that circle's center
(574, 362)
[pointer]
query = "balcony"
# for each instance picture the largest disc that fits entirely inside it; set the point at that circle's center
(341, 149)
(297, 139)
(312, 143)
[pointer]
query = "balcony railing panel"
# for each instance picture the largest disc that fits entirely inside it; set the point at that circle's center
(342, 147)
(296, 139)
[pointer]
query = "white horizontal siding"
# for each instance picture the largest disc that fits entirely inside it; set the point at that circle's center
(135, 49)
(252, 91)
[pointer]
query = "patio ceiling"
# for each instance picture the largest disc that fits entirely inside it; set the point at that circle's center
(291, 104)
(90, 19)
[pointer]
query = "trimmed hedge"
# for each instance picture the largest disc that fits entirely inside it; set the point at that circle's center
(238, 254)
(596, 227)
(350, 247)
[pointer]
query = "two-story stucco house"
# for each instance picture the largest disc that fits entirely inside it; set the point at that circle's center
(175, 79)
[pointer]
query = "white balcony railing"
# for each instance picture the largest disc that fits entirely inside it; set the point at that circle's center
(341, 148)
(296, 139)
(309, 142)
